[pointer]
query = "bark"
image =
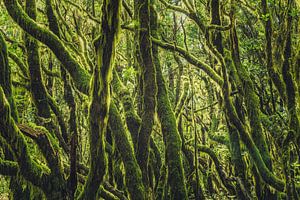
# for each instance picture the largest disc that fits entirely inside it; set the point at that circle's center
(100, 103)
(37, 87)
(133, 121)
(170, 132)
(290, 85)
(179, 78)
(149, 88)
(273, 73)
(265, 173)
(225, 180)
(5, 73)
(51, 184)
(238, 162)
(253, 111)
(293, 120)
(80, 76)
(133, 175)
(8, 168)
(72, 137)
(5, 82)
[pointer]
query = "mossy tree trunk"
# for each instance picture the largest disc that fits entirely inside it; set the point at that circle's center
(5, 74)
(79, 74)
(253, 110)
(133, 175)
(52, 184)
(100, 103)
(37, 88)
(72, 136)
(291, 105)
(5, 83)
(167, 118)
(238, 163)
(149, 88)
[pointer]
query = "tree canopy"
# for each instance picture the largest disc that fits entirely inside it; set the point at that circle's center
(149, 99)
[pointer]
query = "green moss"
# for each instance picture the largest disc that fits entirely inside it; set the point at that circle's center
(290, 87)
(133, 121)
(37, 87)
(191, 59)
(100, 102)
(265, 173)
(133, 175)
(8, 168)
(80, 76)
(182, 101)
(172, 141)
(5, 74)
(11, 133)
(171, 136)
(149, 91)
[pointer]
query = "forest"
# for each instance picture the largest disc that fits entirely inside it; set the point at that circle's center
(150, 99)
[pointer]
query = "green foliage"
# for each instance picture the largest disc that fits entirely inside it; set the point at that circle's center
(226, 73)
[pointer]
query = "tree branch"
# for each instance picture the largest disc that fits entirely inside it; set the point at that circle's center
(191, 59)
(80, 76)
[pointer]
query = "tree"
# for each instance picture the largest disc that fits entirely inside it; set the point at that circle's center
(149, 99)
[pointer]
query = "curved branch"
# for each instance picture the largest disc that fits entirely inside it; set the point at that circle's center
(63, 138)
(191, 59)
(8, 129)
(189, 13)
(79, 75)
(41, 136)
(20, 63)
(80, 8)
(225, 180)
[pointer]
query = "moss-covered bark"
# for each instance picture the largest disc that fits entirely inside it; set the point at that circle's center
(20, 63)
(172, 141)
(5, 81)
(253, 109)
(191, 59)
(8, 168)
(226, 182)
(181, 101)
(30, 170)
(273, 73)
(69, 98)
(149, 87)
(73, 137)
(238, 162)
(133, 121)
(37, 88)
(53, 183)
(167, 119)
(251, 100)
(293, 118)
(290, 85)
(179, 75)
(133, 175)
(80, 76)
(234, 120)
(42, 138)
(100, 103)
(41, 102)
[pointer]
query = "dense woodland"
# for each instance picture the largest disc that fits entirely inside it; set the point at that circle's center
(149, 99)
